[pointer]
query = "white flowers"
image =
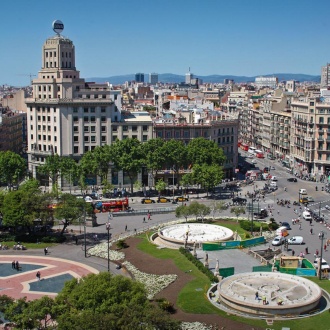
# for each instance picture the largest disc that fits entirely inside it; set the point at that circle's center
(153, 283)
(101, 250)
(194, 326)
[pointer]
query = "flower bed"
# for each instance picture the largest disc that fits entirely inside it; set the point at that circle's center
(194, 326)
(101, 250)
(153, 283)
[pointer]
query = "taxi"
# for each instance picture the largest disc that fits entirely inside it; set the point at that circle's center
(163, 200)
(147, 200)
(181, 199)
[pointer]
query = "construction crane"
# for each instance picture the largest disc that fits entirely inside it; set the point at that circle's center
(29, 75)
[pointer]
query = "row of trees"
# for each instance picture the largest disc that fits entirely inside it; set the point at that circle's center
(204, 157)
(20, 208)
(97, 302)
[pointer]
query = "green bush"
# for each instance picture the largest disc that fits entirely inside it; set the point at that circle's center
(199, 265)
(32, 238)
(121, 244)
(6, 237)
(166, 305)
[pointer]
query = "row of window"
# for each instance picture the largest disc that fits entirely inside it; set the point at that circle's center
(64, 65)
(49, 88)
(53, 54)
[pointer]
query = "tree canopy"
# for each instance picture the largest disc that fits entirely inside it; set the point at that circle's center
(12, 167)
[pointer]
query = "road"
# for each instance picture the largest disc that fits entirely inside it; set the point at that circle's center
(322, 198)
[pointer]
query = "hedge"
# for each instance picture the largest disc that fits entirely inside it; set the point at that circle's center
(199, 265)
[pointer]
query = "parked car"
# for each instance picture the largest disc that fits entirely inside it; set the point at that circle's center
(296, 240)
(278, 240)
(285, 224)
(181, 199)
(292, 179)
(239, 200)
(324, 264)
(162, 199)
(304, 200)
(147, 200)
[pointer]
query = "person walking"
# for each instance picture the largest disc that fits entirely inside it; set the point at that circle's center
(38, 276)
(300, 226)
(257, 296)
(149, 216)
(310, 222)
(144, 219)
(306, 250)
(125, 227)
(17, 265)
(317, 252)
(311, 231)
(293, 253)
(13, 265)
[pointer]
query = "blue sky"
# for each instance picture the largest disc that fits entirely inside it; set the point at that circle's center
(211, 36)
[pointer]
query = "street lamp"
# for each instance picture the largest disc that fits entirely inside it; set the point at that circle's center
(107, 226)
(85, 232)
(173, 169)
(321, 237)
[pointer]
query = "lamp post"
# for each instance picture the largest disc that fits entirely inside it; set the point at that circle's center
(85, 233)
(321, 237)
(320, 209)
(107, 226)
(173, 169)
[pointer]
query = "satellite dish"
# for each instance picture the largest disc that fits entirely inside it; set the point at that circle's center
(58, 26)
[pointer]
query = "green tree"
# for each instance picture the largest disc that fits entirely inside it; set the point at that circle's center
(187, 180)
(218, 207)
(104, 301)
(237, 210)
(160, 186)
(69, 209)
(199, 210)
(183, 211)
(22, 207)
(137, 185)
(52, 168)
(12, 168)
(208, 176)
(203, 151)
(69, 170)
(128, 157)
(154, 155)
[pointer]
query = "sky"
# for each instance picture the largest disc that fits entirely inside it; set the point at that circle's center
(241, 37)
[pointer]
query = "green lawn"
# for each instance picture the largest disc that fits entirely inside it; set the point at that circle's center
(192, 298)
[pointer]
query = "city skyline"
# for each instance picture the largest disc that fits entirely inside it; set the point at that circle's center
(214, 37)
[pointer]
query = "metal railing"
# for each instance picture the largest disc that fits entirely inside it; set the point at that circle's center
(159, 210)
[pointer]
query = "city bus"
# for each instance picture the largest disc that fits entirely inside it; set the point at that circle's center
(260, 154)
(111, 205)
(244, 147)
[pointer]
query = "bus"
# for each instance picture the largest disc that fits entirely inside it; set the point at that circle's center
(244, 146)
(260, 154)
(252, 150)
(111, 205)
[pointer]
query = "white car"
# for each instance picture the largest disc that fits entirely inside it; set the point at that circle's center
(278, 240)
(296, 240)
(254, 161)
(274, 178)
(271, 167)
(306, 215)
(324, 263)
(249, 156)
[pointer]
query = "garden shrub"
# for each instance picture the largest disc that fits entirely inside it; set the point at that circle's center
(199, 265)
(121, 244)
(165, 305)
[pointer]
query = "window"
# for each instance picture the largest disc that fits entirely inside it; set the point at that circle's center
(86, 149)
(86, 119)
(134, 128)
(93, 138)
(55, 138)
(39, 137)
(75, 110)
(75, 118)
(104, 138)
(145, 138)
(44, 137)
(49, 138)
(145, 128)
(46, 54)
(103, 129)
(76, 138)
(55, 128)
(114, 128)
(39, 127)
(93, 129)
(134, 136)
(125, 128)
(102, 110)
(103, 119)
(116, 109)
(321, 120)
(86, 138)
(76, 149)
(85, 110)
(93, 119)
(93, 109)
(86, 128)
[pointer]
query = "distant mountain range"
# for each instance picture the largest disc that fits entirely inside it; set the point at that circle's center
(175, 78)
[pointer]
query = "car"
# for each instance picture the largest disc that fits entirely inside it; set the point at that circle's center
(272, 167)
(278, 240)
(310, 199)
(239, 200)
(261, 214)
(324, 264)
(306, 215)
(254, 161)
(147, 200)
(273, 184)
(162, 199)
(181, 199)
(285, 224)
(292, 179)
(296, 240)
(274, 178)
(249, 156)
(302, 192)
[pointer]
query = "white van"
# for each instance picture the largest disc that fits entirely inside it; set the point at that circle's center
(302, 191)
(306, 215)
(282, 231)
(273, 184)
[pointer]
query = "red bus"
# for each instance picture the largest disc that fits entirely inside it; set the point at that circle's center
(244, 147)
(259, 154)
(111, 205)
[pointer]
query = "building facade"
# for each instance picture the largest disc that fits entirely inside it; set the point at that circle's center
(153, 78)
(139, 77)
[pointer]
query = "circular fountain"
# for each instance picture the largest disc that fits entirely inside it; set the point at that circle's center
(266, 294)
(192, 233)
